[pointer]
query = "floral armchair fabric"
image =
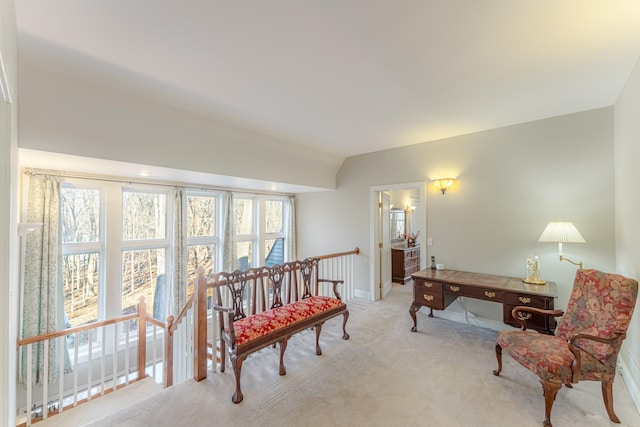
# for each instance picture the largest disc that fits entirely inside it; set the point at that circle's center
(587, 340)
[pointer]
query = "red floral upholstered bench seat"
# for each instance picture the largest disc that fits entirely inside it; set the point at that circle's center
(264, 306)
(266, 323)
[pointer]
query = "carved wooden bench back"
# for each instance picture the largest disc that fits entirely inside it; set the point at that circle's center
(258, 289)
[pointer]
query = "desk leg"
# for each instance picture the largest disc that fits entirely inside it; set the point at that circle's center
(412, 311)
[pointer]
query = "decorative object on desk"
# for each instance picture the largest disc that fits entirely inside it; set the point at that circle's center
(533, 271)
(439, 266)
(562, 232)
(443, 184)
(433, 263)
(411, 238)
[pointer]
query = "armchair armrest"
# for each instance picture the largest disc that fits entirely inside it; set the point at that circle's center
(230, 311)
(576, 366)
(522, 319)
(335, 285)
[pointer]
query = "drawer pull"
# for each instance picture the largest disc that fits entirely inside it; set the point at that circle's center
(454, 288)
(428, 284)
(524, 316)
(524, 300)
(428, 297)
(489, 294)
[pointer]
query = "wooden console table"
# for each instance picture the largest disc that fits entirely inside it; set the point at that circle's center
(437, 289)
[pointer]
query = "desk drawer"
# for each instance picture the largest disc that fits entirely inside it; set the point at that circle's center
(536, 321)
(474, 292)
(528, 300)
(428, 293)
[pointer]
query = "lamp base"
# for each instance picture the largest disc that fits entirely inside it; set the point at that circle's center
(534, 281)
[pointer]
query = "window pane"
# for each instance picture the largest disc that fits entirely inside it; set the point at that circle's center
(143, 215)
(274, 248)
(80, 280)
(80, 215)
(243, 210)
(142, 271)
(199, 255)
(245, 255)
(274, 216)
(201, 218)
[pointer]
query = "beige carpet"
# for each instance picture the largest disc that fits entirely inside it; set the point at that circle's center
(384, 375)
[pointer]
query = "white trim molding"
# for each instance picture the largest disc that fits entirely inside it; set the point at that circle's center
(5, 92)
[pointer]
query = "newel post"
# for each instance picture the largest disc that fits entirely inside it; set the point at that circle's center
(200, 325)
(142, 338)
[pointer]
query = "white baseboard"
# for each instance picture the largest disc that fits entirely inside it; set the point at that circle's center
(386, 288)
(631, 375)
(469, 318)
(362, 294)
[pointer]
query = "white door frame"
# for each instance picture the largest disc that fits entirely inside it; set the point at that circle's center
(421, 212)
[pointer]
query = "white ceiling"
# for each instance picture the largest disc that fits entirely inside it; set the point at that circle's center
(352, 76)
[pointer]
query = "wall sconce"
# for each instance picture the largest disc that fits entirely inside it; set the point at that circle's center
(443, 183)
(562, 232)
(409, 209)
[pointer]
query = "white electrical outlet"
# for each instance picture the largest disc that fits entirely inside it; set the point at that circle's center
(429, 241)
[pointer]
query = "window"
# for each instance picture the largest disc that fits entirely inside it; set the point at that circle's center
(243, 209)
(117, 244)
(274, 232)
(144, 248)
(260, 231)
(82, 255)
(202, 235)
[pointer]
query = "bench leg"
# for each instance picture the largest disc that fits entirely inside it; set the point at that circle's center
(318, 329)
(283, 347)
(236, 362)
(223, 355)
(345, 335)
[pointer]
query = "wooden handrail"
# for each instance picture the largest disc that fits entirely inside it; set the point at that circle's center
(83, 328)
(356, 251)
(177, 319)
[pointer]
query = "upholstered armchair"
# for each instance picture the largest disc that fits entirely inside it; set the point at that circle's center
(587, 340)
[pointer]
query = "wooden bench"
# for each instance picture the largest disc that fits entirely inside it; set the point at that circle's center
(263, 306)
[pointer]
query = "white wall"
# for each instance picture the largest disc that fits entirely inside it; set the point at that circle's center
(627, 212)
(8, 234)
(511, 182)
(62, 112)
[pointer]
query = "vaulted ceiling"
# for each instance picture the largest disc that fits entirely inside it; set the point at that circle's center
(350, 76)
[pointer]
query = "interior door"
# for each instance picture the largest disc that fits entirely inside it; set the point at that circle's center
(385, 250)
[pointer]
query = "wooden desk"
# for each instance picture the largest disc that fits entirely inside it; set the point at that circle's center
(437, 289)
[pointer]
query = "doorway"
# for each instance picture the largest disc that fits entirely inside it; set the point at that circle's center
(383, 200)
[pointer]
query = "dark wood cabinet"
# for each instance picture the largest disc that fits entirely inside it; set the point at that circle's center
(404, 262)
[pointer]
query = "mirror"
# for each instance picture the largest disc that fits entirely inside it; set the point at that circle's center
(398, 226)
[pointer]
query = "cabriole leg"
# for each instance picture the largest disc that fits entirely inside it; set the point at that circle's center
(550, 390)
(607, 394)
(283, 347)
(345, 335)
(236, 362)
(499, 357)
(318, 329)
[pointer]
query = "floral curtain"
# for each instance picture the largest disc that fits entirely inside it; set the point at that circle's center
(229, 251)
(291, 232)
(43, 298)
(180, 253)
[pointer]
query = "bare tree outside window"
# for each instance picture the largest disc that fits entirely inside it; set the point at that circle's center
(144, 224)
